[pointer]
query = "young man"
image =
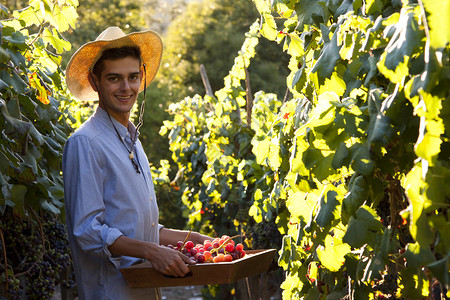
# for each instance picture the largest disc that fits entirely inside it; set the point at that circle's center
(111, 209)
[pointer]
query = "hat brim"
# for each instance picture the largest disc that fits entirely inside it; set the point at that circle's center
(83, 59)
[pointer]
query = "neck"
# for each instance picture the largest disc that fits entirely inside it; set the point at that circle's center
(121, 118)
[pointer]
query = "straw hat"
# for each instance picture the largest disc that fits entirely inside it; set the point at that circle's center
(77, 70)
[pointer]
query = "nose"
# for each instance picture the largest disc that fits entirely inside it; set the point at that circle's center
(125, 85)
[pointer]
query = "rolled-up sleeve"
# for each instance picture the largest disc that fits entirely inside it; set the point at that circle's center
(83, 184)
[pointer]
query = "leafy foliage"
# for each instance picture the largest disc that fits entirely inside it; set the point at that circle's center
(35, 121)
(352, 170)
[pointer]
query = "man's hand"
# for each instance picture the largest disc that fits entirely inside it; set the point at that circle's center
(165, 260)
(169, 261)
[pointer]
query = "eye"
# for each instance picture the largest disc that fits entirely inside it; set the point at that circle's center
(134, 77)
(113, 78)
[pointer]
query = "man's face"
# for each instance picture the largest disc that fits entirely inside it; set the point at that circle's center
(118, 87)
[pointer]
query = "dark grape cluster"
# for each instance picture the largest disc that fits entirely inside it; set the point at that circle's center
(14, 288)
(387, 286)
(438, 291)
(38, 253)
(265, 235)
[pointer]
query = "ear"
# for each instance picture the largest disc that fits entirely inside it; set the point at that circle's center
(93, 81)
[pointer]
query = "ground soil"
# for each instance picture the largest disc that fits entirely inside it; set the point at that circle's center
(182, 293)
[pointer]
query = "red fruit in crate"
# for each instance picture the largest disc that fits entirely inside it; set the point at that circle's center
(193, 251)
(242, 253)
(219, 258)
(239, 247)
(234, 255)
(207, 255)
(216, 245)
(179, 245)
(209, 248)
(229, 248)
(227, 258)
(201, 259)
(189, 245)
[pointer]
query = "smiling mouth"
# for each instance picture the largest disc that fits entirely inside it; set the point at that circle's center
(124, 98)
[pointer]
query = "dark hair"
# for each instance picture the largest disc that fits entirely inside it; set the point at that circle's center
(113, 54)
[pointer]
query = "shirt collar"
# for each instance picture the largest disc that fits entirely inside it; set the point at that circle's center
(124, 132)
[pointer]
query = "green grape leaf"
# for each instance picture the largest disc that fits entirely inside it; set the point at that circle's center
(419, 226)
(274, 154)
(428, 79)
(312, 157)
(18, 193)
(417, 255)
(29, 16)
(299, 206)
(327, 209)
(332, 255)
(64, 17)
(261, 148)
(308, 11)
(4, 57)
(429, 143)
(329, 54)
(56, 40)
(362, 161)
(440, 270)
(374, 7)
(407, 37)
(381, 131)
(357, 195)
(295, 46)
(340, 157)
(377, 264)
(13, 80)
(413, 284)
(21, 127)
(362, 227)
(439, 22)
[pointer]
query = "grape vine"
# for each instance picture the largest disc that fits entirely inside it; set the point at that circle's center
(353, 169)
(35, 121)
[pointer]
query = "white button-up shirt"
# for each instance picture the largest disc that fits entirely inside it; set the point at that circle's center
(105, 198)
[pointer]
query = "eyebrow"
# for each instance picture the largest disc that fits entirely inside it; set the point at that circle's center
(120, 75)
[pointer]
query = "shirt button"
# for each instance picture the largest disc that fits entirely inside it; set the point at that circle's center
(153, 224)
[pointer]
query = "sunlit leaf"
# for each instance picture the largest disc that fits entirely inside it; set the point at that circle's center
(56, 40)
(332, 255)
(438, 21)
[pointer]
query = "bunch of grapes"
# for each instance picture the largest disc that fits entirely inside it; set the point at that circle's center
(265, 235)
(37, 252)
(387, 286)
(221, 249)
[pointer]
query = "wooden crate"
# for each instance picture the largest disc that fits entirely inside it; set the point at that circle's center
(255, 262)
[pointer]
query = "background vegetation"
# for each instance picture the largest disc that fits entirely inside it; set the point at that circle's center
(346, 176)
(351, 170)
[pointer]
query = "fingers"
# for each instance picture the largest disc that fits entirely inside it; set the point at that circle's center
(177, 270)
(172, 263)
(186, 259)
